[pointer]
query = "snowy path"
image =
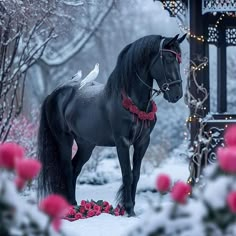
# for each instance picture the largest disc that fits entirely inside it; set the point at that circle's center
(107, 225)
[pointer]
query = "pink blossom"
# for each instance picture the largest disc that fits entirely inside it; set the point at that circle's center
(91, 213)
(231, 201)
(227, 159)
(97, 208)
(230, 136)
(54, 206)
(78, 216)
(82, 203)
(180, 192)
(117, 212)
(105, 203)
(87, 206)
(107, 209)
(56, 224)
(27, 168)
(9, 152)
(82, 209)
(163, 183)
(71, 211)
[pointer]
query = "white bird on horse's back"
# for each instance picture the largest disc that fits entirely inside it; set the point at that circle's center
(90, 77)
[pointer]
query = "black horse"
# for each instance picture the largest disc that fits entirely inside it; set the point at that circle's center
(120, 113)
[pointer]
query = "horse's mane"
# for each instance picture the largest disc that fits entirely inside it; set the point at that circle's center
(133, 57)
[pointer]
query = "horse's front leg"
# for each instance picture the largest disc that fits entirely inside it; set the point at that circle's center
(125, 191)
(139, 151)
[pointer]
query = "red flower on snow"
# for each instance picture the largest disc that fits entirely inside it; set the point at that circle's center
(227, 159)
(163, 183)
(180, 192)
(9, 152)
(28, 168)
(231, 200)
(54, 206)
(230, 136)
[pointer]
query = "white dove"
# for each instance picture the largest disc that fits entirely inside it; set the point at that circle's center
(90, 77)
(77, 76)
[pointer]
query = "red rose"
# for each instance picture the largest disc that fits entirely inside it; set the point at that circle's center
(107, 209)
(117, 211)
(122, 211)
(82, 203)
(78, 216)
(105, 203)
(134, 109)
(82, 209)
(127, 102)
(71, 212)
(9, 152)
(231, 201)
(163, 183)
(56, 224)
(227, 159)
(54, 205)
(230, 136)
(151, 116)
(87, 206)
(97, 208)
(154, 107)
(180, 192)
(91, 213)
(98, 213)
(142, 115)
(20, 183)
(28, 168)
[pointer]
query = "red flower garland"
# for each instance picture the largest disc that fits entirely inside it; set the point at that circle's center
(91, 208)
(129, 105)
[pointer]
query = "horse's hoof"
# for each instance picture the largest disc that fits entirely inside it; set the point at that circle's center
(131, 214)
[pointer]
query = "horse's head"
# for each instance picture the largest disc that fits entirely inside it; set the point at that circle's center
(165, 68)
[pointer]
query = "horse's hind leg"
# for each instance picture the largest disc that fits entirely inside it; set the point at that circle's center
(65, 151)
(81, 157)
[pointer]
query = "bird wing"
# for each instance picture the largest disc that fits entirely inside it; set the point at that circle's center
(90, 77)
(77, 76)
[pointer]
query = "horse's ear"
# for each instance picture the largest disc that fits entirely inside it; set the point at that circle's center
(171, 41)
(180, 40)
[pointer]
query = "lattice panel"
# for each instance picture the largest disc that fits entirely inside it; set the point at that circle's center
(174, 7)
(231, 36)
(213, 35)
(218, 6)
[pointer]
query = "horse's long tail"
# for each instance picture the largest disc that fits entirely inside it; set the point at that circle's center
(50, 179)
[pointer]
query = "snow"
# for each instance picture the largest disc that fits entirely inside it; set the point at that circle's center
(146, 198)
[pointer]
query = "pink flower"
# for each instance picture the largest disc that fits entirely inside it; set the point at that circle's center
(117, 211)
(122, 211)
(9, 152)
(28, 168)
(82, 209)
(127, 102)
(142, 115)
(78, 216)
(71, 211)
(180, 192)
(163, 183)
(20, 183)
(230, 136)
(56, 224)
(91, 213)
(154, 107)
(231, 201)
(107, 209)
(87, 206)
(105, 203)
(134, 109)
(98, 213)
(54, 206)
(227, 159)
(97, 208)
(82, 203)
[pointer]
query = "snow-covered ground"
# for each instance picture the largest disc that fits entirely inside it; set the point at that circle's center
(107, 225)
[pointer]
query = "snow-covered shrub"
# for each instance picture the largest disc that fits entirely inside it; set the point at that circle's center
(18, 217)
(24, 132)
(212, 209)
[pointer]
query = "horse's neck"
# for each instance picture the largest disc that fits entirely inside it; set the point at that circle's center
(140, 93)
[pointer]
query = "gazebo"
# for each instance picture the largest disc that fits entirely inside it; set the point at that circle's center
(210, 22)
